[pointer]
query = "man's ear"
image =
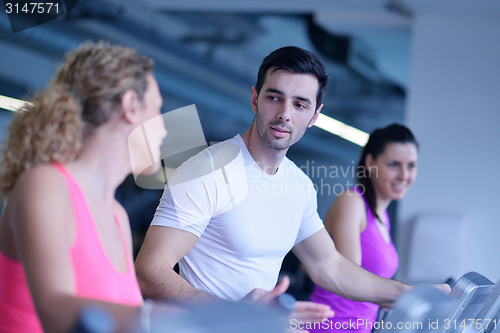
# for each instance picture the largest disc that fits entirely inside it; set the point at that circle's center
(315, 117)
(130, 103)
(253, 101)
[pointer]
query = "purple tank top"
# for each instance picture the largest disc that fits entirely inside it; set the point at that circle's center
(377, 257)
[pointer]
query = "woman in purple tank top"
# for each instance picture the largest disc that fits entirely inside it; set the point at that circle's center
(359, 224)
(65, 242)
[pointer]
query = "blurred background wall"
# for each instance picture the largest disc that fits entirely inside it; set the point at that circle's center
(453, 107)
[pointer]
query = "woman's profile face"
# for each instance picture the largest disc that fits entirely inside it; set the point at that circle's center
(393, 172)
(145, 141)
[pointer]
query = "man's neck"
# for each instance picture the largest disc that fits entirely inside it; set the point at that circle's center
(267, 159)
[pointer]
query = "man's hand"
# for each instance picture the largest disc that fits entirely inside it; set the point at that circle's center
(303, 311)
(444, 287)
(309, 311)
(263, 296)
(306, 312)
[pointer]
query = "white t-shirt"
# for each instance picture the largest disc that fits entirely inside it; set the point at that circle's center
(246, 220)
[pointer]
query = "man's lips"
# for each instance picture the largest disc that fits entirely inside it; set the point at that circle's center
(279, 131)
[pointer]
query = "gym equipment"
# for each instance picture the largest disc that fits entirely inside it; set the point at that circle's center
(488, 319)
(419, 310)
(220, 317)
(94, 319)
(285, 303)
(470, 292)
(225, 317)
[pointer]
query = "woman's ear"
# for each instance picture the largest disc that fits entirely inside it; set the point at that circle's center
(369, 161)
(130, 104)
(369, 164)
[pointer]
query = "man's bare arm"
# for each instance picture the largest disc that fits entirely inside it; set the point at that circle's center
(333, 272)
(163, 247)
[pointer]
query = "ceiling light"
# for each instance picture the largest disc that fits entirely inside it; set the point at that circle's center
(345, 131)
(11, 104)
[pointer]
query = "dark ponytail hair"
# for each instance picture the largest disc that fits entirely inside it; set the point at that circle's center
(378, 141)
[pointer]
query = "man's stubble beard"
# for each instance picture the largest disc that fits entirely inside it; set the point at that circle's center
(262, 129)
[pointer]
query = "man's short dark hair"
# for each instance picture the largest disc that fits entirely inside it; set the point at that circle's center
(295, 60)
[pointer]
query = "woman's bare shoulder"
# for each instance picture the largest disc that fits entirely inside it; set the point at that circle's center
(40, 171)
(349, 199)
(40, 184)
(347, 210)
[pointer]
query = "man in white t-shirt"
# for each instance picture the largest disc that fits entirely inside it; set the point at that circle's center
(233, 211)
(230, 214)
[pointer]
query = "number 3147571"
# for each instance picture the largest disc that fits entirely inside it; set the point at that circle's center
(33, 8)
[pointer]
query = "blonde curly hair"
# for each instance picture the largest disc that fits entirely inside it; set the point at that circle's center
(84, 92)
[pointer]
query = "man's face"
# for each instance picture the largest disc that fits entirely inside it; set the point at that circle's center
(285, 107)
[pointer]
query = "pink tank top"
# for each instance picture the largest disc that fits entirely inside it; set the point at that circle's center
(377, 257)
(94, 274)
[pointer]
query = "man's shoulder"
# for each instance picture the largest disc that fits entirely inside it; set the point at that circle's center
(207, 161)
(225, 152)
(292, 168)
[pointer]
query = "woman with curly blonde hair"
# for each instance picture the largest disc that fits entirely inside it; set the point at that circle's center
(65, 242)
